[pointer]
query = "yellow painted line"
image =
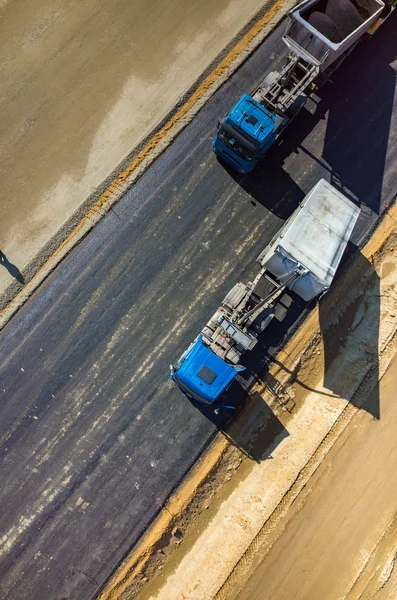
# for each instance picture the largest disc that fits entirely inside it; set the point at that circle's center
(121, 179)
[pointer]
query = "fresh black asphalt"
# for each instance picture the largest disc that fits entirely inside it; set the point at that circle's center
(93, 435)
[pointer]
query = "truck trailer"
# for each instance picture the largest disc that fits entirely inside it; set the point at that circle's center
(319, 36)
(303, 258)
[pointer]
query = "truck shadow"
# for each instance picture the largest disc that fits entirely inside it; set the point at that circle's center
(349, 324)
(252, 427)
(270, 185)
(342, 135)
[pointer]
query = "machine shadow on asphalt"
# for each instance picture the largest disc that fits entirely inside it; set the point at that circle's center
(270, 186)
(256, 432)
(350, 150)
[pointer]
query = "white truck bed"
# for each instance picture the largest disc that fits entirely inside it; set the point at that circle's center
(315, 236)
(320, 31)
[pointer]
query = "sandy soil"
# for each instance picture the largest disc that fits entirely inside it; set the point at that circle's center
(82, 84)
(318, 507)
(341, 516)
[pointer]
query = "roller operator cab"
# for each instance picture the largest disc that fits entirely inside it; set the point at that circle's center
(201, 374)
(245, 134)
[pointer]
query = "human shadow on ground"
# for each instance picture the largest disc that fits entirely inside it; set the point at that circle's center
(342, 134)
(12, 269)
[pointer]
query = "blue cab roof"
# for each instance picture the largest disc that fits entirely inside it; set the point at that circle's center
(253, 118)
(202, 373)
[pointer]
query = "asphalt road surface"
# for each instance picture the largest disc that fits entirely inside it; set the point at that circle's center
(93, 435)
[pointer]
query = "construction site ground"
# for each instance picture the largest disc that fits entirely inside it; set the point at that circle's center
(339, 537)
(85, 361)
(314, 515)
(82, 85)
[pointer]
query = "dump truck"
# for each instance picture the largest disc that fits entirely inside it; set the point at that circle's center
(302, 258)
(319, 36)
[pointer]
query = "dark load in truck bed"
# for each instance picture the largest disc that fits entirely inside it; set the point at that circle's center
(320, 31)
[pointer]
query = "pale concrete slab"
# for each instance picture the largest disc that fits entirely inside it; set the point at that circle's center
(82, 85)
